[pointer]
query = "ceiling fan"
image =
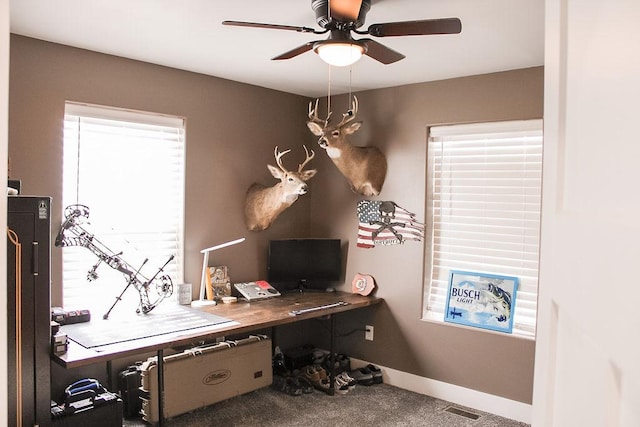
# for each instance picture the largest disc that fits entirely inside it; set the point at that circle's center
(340, 18)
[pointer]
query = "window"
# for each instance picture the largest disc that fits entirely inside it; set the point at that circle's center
(483, 209)
(128, 168)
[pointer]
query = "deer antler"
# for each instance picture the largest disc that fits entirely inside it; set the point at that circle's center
(308, 159)
(351, 114)
(278, 157)
(313, 114)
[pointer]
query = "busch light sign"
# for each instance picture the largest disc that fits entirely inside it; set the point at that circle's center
(481, 300)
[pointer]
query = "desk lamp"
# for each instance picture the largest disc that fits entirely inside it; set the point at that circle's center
(201, 301)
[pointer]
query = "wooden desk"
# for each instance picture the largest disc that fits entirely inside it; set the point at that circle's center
(245, 316)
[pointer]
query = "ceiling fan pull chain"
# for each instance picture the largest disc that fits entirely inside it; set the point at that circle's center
(329, 94)
(350, 93)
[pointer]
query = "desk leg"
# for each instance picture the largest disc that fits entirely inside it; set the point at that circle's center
(109, 373)
(273, 341)
(332, 355)
(160, 387)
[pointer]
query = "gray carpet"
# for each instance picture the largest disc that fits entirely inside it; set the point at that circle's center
(373, 406)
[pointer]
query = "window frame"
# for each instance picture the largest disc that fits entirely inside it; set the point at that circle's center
(170, 132)
(433, 294)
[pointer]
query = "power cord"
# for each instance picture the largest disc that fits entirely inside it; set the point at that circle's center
(346, 334)
(353, 332)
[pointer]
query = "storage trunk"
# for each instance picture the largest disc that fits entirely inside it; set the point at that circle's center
(205, 375)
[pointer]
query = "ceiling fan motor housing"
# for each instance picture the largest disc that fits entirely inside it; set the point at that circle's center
(342, 17)
(321, 9)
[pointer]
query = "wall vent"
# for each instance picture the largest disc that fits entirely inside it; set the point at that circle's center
(462, 412)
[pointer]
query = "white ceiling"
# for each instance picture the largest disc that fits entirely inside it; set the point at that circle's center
(497, 35)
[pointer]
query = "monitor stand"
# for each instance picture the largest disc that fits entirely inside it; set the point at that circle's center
(302, 287)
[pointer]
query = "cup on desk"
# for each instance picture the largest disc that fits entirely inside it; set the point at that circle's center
(184, 293)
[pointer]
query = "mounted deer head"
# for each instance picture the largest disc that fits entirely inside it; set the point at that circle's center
(264, 204)
(364, 167)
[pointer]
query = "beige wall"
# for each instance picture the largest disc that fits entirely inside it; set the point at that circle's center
(231, 131)
(396, 120)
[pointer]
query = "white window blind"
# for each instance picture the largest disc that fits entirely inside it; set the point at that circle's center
(128, 168)
(483, 209)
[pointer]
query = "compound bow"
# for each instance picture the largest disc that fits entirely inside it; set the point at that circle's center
(72, 233)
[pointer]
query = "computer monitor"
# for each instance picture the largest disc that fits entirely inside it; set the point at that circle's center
(304, 264)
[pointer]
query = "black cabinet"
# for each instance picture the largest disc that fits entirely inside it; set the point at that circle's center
(29, 310)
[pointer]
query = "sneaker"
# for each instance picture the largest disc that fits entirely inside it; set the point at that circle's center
(341, 386)
(363, 376)
(351, 382)
(344, 362)
(376, 372)
(317, 376)
(319, 357)
(311, 374)
(304, 384)
(286, 385)
(341, 363)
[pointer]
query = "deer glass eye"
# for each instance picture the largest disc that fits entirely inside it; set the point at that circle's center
(335, 133)
(290, 179)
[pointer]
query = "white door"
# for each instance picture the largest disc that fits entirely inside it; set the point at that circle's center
(587, 370)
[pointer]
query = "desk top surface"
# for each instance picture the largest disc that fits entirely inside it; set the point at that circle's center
(244, 317)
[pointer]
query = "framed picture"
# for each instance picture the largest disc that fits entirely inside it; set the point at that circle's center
(218, 283)
(481, 300)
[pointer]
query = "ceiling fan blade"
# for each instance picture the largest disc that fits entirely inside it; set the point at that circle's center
(380, 52)
(295, 52)
(345, 10)
(416, 28)
(272, 26)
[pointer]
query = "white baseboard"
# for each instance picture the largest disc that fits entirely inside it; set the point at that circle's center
(485, 402)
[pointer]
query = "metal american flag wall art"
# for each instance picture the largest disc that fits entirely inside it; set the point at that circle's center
(383, 223)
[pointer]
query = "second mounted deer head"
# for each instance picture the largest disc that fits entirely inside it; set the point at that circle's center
(364, 167)
(264, 204)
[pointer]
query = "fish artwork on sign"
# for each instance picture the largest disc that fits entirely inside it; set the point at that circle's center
(497, 301)
(482, 300)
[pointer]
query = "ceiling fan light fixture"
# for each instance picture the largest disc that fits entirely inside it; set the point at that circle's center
(339, 54)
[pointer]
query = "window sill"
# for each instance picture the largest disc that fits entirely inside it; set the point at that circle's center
(433, 318)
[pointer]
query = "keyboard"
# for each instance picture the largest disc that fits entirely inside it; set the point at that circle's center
(316, 308)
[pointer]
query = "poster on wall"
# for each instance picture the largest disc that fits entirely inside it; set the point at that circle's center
(385, 223)
(481, 300)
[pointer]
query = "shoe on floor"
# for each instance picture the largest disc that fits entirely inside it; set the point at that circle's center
(317, 376)
(376, 372)
(340, 385)
(303, 382)
(319, 357)
(351, 382)
(341, 363)
(286, 385)
(363, 376)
